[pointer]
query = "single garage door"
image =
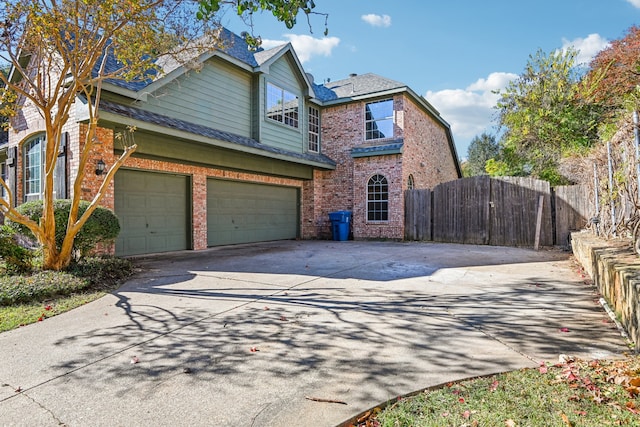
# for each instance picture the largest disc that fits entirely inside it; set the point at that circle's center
(241, 212)
(153, 212)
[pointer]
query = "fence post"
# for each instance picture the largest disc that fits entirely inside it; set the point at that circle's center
(613, 206)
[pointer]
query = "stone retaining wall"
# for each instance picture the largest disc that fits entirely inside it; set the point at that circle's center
(615, 270)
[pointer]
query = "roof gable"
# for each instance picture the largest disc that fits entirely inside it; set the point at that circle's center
(230, 46)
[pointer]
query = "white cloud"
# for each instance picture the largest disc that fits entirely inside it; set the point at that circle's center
(377, 20)
(306, 46)
(589, 46)
(470, 111)
(635, 3)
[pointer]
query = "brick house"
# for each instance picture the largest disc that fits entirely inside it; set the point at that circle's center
(246, 148)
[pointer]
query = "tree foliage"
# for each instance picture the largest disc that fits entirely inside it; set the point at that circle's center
(285, 11)
(481, 149)
(614, 74)
(63, 51)
(543, 117)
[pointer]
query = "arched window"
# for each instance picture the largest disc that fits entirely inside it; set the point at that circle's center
(410, 185)
(377, 198)
(33, 168)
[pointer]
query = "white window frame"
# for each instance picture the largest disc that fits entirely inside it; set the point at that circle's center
(3, 175)
(279, 104)
(29, 181)
(314, 129)
(378, 198)
(370, 134)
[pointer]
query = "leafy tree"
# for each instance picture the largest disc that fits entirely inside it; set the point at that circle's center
(481, 149)
(61, 51)
(543, 117)
(285, 11)
(614, 75)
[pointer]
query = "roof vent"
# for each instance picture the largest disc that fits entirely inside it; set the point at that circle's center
(352, 75)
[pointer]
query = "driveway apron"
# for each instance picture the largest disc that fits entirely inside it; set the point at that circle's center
(305, 333)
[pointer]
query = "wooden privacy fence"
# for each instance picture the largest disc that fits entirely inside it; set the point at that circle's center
(511, 211)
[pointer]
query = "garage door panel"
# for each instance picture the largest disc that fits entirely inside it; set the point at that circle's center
(240, 212)
(153, 212)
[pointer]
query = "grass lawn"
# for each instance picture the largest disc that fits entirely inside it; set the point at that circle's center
(571, 393)
(32, 298)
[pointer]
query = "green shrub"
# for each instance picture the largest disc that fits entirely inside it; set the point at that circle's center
(102, 225)
(17, 259)
(39, 286)
(102, 272)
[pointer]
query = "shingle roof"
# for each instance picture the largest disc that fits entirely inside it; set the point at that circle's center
(357, 85)
(263, 56)
(378, 148)
(230, 43)
(169, 122)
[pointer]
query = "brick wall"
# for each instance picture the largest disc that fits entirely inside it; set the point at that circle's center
(426, 155)
(364, 168)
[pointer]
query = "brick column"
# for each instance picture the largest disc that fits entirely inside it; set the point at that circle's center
(199, 219)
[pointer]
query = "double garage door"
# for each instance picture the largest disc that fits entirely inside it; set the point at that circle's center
(155, 212)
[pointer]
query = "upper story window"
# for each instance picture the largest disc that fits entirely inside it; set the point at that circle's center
(378, 198)
(33, 168)
(282, 105)
(378, 121)
(314, 129)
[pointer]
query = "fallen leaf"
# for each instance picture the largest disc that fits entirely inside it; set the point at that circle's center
(543, 369)
(582, 413)
(466, 414)
(284, 319)
(254, 349)
(19, 389)
(494, 386)
(47, 307)
(566, 419)
(461, 400)
(510, 423)
(635, 382)
(266, 308)
(445, 414)
(564, 329)
(134, 360)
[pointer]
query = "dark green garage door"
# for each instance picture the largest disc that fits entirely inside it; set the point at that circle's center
(241, 212)
(153, 212)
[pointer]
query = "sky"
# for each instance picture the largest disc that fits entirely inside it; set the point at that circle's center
(455, 53)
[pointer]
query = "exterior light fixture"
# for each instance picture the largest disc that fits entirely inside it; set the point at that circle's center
(100, 167)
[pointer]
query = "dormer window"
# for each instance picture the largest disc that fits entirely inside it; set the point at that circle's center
(282, 105)
(379, 120)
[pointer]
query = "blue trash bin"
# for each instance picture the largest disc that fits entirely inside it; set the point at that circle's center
(340, 222)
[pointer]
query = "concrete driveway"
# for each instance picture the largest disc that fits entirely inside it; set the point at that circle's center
(356, 322)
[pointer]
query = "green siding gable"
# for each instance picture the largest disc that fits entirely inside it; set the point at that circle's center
(283, 73)
(216, 96)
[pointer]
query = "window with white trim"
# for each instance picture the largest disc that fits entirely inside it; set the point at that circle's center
(378, 198)
(33, 152)
(282, 105)
(3, 175)
(410, 184)
(378, 122)
(314, 129)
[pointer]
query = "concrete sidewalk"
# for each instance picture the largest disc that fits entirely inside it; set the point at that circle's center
(357, 322)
